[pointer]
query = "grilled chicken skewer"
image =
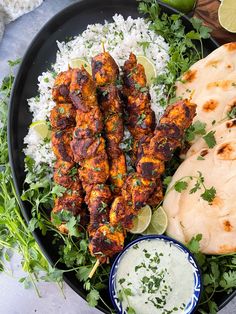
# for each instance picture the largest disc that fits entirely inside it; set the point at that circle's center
(139, 186)
(62, 119)
(107, 228)
(88, 147)
(141, 118)
(106, 74)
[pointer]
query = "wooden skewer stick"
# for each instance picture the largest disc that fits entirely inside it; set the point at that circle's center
(96, 265)
(103, 46)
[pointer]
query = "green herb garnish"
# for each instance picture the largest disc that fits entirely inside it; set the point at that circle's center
(209, 138)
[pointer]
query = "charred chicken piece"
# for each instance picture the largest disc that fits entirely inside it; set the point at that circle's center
(61, 88)
(98, 198)
(89, 151)
(62, 116)
(61, 144)
(106, 74)
(106, 242)
(66, 174)
(88, 124)
(141, 118)
(105, 69)
(95, 170)
(157, 196)
(82, 91)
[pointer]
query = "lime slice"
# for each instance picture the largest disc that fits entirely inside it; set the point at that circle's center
(158, 222)
(149, 67)
(227, 15)
(143, 219)
(184, 6)
(41, 128)
(78, 63)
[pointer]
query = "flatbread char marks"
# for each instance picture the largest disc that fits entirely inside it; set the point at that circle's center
(88, 147)
(62, 119)
(106, 75)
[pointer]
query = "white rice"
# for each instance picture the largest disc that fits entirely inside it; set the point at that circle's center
(119, 38)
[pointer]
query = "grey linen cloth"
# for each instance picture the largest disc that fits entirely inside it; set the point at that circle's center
(12, 9)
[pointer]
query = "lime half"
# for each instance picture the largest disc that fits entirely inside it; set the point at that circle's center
(41, 128)
(227, 15)
(184, 6)
(158, 222)
(141, 222)
(78, 63)
(149, 67)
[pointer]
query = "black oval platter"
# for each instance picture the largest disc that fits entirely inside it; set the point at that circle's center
(40, 55)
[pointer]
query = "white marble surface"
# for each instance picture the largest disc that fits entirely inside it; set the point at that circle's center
(14, 299)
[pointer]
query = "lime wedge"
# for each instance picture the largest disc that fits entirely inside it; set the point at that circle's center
(78, 63)
(158, 222)
(143, 219)
(227, 15)
(184, 6)
(41, 128)
(149, 67)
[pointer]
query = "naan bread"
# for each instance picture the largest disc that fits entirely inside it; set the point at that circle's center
(189, 214)
(211, 83)
(224, 132)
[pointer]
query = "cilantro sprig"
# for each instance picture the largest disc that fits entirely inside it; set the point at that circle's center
(218, 274)
(183, 50)
(182, 185)
(15, 235)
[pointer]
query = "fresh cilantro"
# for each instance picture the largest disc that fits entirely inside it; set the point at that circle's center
(200, 158)
(83, 272)
(130, 310)
(104, 93)
(72, 226)
(15, 234)
(144, 45)
(228, 280)
(182, 45)
(137, 182)
(201, 30)
(194, 244)
(54, 275)
(197, 128)
(14, 63)
(198, 184)
(73, 171)
(121, 281)
(141, 118)
(209, 194)
(180, 186)
(167, 180)
(127, 144)
(232, 114)
(102, 207)
(58, 190)
(97, 169)
(93, 297)
(209, 138)
(127, 292)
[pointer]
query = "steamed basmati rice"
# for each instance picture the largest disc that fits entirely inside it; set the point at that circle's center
(119, 38)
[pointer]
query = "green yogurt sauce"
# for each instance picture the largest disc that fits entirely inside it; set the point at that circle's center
(154, 276)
